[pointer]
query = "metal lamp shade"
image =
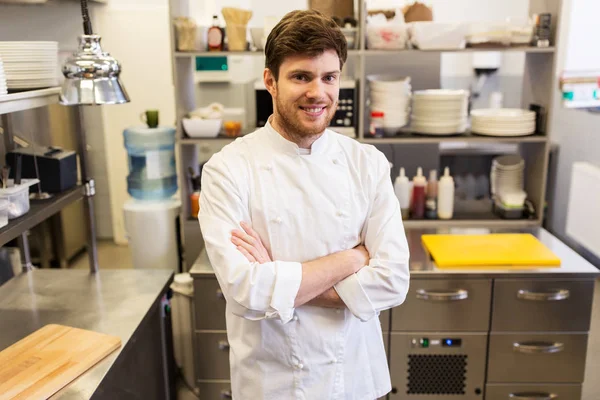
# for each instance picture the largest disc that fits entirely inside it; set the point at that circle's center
(92, 76)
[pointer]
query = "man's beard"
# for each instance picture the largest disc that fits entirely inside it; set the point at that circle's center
(287, 118)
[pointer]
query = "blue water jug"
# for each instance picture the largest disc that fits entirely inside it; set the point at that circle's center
(152, 171)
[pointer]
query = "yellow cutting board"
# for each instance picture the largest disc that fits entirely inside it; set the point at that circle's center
(44, 362)
(493, 250)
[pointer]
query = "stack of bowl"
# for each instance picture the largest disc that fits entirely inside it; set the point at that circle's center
(391, 95)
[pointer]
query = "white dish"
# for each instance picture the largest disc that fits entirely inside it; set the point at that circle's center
(429, 35)
(439, 94)
(196, 127)
(503, 113)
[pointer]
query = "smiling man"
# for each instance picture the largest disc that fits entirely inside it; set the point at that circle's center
(304, 233)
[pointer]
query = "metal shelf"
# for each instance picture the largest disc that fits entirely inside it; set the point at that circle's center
(353, 52)
(375, 52)
(184, 54)
(27, 100)
(411, 138)
(40, 210)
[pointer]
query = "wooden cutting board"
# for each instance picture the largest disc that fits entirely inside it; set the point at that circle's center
(505, 250)
(44, 362)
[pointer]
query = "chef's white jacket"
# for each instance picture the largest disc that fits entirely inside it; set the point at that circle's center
(304, 207)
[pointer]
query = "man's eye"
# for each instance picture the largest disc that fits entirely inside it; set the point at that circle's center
(330, 78)
(301, 77)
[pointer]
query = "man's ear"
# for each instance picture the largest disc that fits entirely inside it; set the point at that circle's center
(270, 81)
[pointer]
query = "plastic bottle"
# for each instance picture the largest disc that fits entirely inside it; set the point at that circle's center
(376, 126)
(402, 189)
(432, 190)
(417, 210)
(445, 201)
(215, 35)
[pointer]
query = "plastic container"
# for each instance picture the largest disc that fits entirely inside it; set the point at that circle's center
(387, 36)
(182, 306)
(3, 213)
(429, 35)
(417, 210)
(431, 202)
(445, 200)
(376, 126)
(151, 153)
(17, 197)
(402, 190)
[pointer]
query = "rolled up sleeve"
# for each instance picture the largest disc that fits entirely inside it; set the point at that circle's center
(384, 283)
(252, 290)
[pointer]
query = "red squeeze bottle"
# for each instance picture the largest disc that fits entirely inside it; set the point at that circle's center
(417, 210)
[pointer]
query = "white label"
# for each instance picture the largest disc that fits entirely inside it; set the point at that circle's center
(159, 165)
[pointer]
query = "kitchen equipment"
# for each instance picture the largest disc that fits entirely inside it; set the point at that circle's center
(44, 362)
(236, 21)
(344, 121)
(202, 128)
(437, 35)
(29, 65)
(153, 233)
(439, 111)
(437, 365)
(151, 153)
(57, 167)
(503, 122)
(502, 249)
(17, 196)
(542, 29)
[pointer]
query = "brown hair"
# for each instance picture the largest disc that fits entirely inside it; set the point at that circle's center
(303, 32)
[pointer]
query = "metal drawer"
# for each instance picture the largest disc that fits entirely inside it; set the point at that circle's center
(384, 318)
(437, 371)
(209, 305)
(513, 391)
(551, 357)
(214, 390)
(212, 356)
(542, 305)
(445, 305)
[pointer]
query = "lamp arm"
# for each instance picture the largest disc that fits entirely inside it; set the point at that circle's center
(87, 24)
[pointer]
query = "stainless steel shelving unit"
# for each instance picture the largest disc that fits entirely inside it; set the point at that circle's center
(41, 210)
(538, 78)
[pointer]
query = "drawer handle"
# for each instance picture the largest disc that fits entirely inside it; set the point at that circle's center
(554, 295)
(538, 347)
(220, 294)
(223, 345)
(532, 396)
(226, 394)
(440, 295)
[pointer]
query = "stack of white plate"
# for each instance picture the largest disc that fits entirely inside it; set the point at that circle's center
(439, 111)
(3, 87)
(503, 122)
(30, 65)
(390, 94)
(506, 175)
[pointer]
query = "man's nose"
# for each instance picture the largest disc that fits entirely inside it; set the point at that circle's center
(315, 90)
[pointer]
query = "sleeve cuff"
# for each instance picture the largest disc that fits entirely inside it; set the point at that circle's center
(287, 285)
(356, 299)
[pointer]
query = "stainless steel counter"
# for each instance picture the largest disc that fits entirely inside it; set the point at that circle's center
(421, 265)
(114, 302)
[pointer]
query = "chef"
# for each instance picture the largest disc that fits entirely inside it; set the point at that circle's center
(305, 235)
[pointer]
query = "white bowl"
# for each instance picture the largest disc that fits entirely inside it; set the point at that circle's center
(196, 127)
(388, 82)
